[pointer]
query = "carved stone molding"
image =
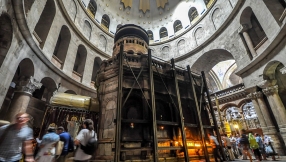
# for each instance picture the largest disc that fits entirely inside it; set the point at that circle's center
(251, 96)
(28, 85)
(283, 70)
(270, 90)
(258, 94)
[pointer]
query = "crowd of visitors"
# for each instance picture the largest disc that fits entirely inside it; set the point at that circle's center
(243, 145)
(16, 142)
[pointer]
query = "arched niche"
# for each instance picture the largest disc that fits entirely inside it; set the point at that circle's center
(28, 4)
(102, 42)
(177, 25)
(6, 33)
(105, 22)
(45, 22)
(96, 66)
(163, 32)
(80, 60)
(62, 44)
(46, 91)
(150, 35)
(181, 47)
(87, 29)
(193, 14)
(92, 8)
(199, 35)
(252, 26)
(72, 9)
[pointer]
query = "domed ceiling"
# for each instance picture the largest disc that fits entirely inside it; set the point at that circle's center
(150, 14)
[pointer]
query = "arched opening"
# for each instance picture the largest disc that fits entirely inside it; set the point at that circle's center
(253, 28)
(163, 32)
(46, 91)
(72, 10)
(150, 35)
(92, 8)
(28, 4)
(6, 33)
(96, 66)
(45, 22)
(177, 26)
(276, 7)
(118, 26)
(193, 14)
(105, 22)
(87, 29)
(102, 43)
(24, 71)
(62, 45)
(80, 60)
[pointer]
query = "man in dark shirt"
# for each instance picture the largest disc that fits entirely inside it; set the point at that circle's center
(66, 138)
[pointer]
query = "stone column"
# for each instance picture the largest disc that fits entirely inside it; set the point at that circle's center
(253, 97)
(270, 129)
(243, 30)
(277, 108)
(22, 96)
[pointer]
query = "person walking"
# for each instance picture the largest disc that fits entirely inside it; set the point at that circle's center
(261, 146)
(82, 139)
(254, 146)
(15, 139)
(48, 144)
(227, 145)
(244, 144)
(68, 143)
(215, 146)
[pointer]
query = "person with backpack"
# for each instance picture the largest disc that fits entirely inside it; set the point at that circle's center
(254, 146)
(244, 144)
(86, 141)
(261, 145)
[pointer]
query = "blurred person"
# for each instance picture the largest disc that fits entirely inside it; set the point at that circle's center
(16, 139)
(227, 145)
(268, 146)
(254, 146)
(68, 143)
(261, 146)
(48, 144)
(215, 146)
(237, 138)
(82, 139)
(244, 144)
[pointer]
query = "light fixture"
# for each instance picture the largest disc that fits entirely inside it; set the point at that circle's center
(235, 126)
(132, 125)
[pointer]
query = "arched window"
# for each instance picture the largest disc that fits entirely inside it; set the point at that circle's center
(150, 34)
(45, 22)
(193, 14)
(105, 21)
(276, 7)
(256, 33)
(96, 66)
(163, 32)
(62, 44)
(6, 33)
(177, 25)
(91, 8)
(28, 4)
(80, 60)
(87, 29)
(118, 26)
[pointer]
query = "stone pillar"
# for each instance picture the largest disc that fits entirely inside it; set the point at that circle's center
(270, 129)
(253, 97)
(22, 96)
(249, 43)
(277, 108)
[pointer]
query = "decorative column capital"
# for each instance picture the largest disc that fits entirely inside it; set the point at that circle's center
(28, 85)
(258, 94)
(251, 96)
(270, 90)
(283, 70)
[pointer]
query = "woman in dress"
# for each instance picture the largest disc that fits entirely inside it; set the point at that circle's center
(48, 146)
